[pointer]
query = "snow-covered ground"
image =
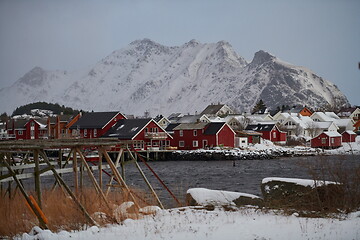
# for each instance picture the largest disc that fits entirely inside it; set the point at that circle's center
(347, 148)
(191, 223)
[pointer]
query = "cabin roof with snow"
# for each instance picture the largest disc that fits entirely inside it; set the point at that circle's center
(346, 112)
(246, 133)
(128, 128)
(332, 134)
(260, 127)
(349, 132)
(212, 109)
(193, 119)
(190, 126)
(94, 120)
(217, 109)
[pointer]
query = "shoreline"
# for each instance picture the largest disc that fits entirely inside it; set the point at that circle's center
(256, 153)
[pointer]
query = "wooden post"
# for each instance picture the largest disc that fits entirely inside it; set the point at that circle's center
(60, 160)
(81, 173)
(1, 185)
(1, 173)
(123, 165)
(37, 178)
(76, 183)
(100, 170)
(8, 190)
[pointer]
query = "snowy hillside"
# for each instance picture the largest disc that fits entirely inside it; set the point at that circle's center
(147, 76)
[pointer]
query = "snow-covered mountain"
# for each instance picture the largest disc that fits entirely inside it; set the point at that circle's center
(147, 76)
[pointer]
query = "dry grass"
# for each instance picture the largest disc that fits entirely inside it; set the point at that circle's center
(61, 211)
(343, 197)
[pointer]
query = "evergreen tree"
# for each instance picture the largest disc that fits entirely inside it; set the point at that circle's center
(4, 117)
(259, 107)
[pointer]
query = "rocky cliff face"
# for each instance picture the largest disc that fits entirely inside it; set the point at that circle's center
(147, 76)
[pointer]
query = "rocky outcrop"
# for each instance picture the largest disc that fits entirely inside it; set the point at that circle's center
(300, 193)
(216, 198)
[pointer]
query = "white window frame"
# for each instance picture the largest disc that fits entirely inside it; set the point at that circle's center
(195, 143)
(95, 132)
(20, 132)
(181, 133)
(85, 132)
(181, 143)
(195, 133)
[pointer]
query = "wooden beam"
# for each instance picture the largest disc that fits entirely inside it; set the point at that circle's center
(112, 176)
(72, 195)
(37, 178)
(38, 215)
(76, 178)
(146, 180)
(117, 175)
(92, 178)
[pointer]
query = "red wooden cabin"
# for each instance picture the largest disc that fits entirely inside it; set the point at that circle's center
(190, 136)
(144, 133)
(327, 140)
(348, 136)
(95, 124)
(269, 131)
(19, 129)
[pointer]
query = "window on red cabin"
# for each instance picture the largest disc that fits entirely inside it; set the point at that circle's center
(195, 143)
(332, 140)
(274, 134)
(85, 132)
(95, 132)
(195, 133)
(181, 133)
(181, 143)
(323, 140)
(20, 132)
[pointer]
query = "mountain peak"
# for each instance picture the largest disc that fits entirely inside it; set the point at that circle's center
(147, 76)
(34, 77)
(192, 43)
(144, 42)
(262, 57)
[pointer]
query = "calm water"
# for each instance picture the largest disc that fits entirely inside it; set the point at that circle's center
(245, 176)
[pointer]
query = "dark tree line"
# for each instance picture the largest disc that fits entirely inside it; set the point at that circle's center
(56, 108)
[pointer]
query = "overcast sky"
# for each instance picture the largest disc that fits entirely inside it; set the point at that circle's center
(322, 35)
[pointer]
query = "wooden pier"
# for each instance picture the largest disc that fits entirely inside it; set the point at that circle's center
(36, 163)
